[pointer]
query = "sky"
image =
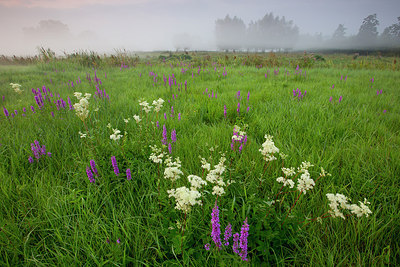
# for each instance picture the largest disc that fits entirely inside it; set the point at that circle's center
(145, 25)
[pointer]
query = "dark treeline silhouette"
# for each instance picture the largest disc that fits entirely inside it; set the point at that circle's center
(274, 33)
(268, 33)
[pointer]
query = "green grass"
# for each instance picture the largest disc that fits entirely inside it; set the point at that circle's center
(51, 215)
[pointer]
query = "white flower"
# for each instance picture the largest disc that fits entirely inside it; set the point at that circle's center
(324, 173)
(16, 87)
(82, 108)
(109, 126)
(137, 118)
(172, 170)
(205, 165)
(82, 135)
(285, 181)
(268, 148)
(185, 198)
(289, 171)
(196, 182)
(282, 155)
(218, 190)
(304, 166)
(127, 120)
(157, 155)
(115, 136)
(305, 182)
(158, 104)
(78, 95)
(361, 210)
(337, 201)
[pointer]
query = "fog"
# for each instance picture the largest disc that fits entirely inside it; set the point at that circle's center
(147, 25)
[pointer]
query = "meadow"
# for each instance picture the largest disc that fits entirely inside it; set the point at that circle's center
(200, 159)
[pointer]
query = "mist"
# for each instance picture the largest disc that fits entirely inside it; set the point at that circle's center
(148, 25)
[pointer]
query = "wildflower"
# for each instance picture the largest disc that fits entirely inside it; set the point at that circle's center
(179, 116)
(173, 136)
(235, 245)
(137, 118)
(5, 112)
(340, 99)
(93, 166)
(185, 198)
(164, 135)
(154, 157)
(244, 233)
(82, 107)
(323, 173)
(288, 171)
(196, 182)
(158, 104)
(228, 234)
(269, 148)
(361, 210)
(205, 165)
(172, 170)
(30, 159)
(330, 99)
(127, 120)
(305, 182)
(169, 148)
(115, 166)
(216, 230)
(90, 175)
(128, 174)
(225, 111)
(285, 181)
(115, 136)
(118, 241)
(337, 201)
(82, 135)
(207, 246)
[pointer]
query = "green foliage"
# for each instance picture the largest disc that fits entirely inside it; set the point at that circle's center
(50, 214)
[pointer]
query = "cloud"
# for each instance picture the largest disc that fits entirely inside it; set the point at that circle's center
(67, 4)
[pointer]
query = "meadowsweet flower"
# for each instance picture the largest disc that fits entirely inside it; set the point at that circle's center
(337, 203)
(196, 182)
(361, 210)
(82, 107)
(268, 149)
(172, 170)
(158, 104)
(82, 135)
(205, 165)
(289, 171)
(305, 182)
(323, 173)
(156, 156)
(115, 166)
(216, 228)
(285, 181)
(16, 87)
(127, 120)
(116, 136)
(185, 198)
(128, 174)
(227, 234)
(137, 118)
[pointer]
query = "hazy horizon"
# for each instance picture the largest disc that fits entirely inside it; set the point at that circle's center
(146, 25)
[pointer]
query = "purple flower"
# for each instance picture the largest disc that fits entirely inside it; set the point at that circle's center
(207, 246)
(173, 136)
(158, 124)
(169, 148)
(93, 166)
(216, 230)
(235, 245)
(118, 241)
(128, 174)
(90, 175)
(179, 116)
(225, 111)
(248, 96)
(165, 115)
(164, 135)
(330, 99)
(49, 154)
(238, 108)
(115, 166)
(30, 159)
(228, 234)
(248, 109)
(244, 233)
(384, 111)
(33, 109)
(5, 112)
(340, 99)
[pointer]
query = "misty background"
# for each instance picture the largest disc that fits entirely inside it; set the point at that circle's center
(147, 25)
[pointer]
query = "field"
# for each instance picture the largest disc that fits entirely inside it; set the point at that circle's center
(239, 141)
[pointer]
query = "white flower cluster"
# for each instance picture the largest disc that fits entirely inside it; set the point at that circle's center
(339, 203)
(145, 106)
(269, 148)
(82, 107)
(305, 182)
(16, 87)
(196, 182)
(215, 177)
(323, 173)
(156, 156)
(158, 104)
(204, 164)
(238, 134)
(172, 170)
(185, 198)
(285, 181)
(82, 135)
(137, 118)
(116, 135)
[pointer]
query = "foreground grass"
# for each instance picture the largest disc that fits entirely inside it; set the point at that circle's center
(51, 214)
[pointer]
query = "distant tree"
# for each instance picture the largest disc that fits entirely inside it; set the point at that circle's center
(272, 32)
(339, 33)
(50, 29)
(230, 33)
(368, 32)
(392, 33)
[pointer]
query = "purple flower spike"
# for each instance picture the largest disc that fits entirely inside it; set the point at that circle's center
(128, 174)
(216, 230)
(179, 116)
(244, 233)
(115, 166)
(165, 115)
(228, 234)
(235, 245)
(93, 166)
(5, 112)
(30, 159)
(169, 148)
(207, 246)
(164, 135)
(225, 111)
(90, 175)
(330, 99)
(340, 99)
(173, 136)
